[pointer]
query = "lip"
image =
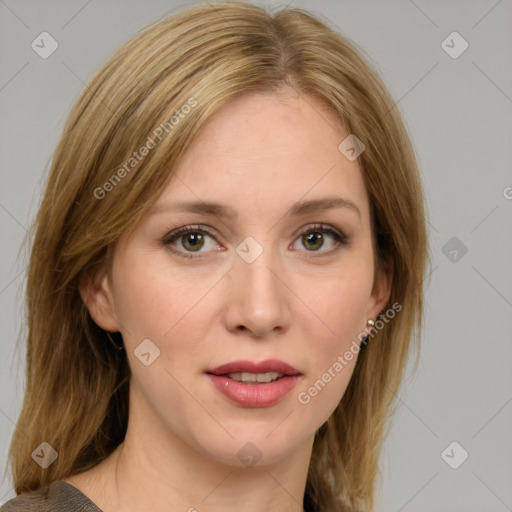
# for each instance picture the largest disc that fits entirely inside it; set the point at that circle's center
(255, 394)
(269, 365)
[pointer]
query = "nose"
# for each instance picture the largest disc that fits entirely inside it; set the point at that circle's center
(258, 300)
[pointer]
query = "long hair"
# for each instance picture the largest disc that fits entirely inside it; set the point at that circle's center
(156, 92)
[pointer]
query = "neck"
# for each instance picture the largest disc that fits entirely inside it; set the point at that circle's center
(155, 469)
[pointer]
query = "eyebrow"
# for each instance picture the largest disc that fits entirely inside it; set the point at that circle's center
(219, 210)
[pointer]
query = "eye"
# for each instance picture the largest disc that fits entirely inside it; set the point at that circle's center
(314, 238)
(191, 239)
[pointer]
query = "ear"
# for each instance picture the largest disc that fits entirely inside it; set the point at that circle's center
(381, 290)
(96, 294)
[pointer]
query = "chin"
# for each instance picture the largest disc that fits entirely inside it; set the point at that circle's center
(256, 447)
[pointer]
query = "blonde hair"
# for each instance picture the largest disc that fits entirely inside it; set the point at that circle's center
(76, 396)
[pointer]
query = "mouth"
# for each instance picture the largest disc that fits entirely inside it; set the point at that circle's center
(255, 372)
(252, 384)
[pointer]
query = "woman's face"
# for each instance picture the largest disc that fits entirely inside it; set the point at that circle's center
(280, 269)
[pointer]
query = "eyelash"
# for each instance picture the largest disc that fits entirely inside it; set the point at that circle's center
(338, 236)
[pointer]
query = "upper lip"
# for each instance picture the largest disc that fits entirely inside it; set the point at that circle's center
(269, 365)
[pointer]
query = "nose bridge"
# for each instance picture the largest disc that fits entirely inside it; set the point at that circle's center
(255, 266)
(259, 296)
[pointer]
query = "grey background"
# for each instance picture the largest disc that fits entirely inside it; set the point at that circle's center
(458, 112)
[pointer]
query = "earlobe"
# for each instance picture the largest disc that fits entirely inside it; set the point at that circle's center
(97, 297)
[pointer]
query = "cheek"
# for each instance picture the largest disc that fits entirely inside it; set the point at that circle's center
(338, 304)
(171, 307)
(338, 300)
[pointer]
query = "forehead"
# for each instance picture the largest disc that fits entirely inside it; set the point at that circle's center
(266, 151)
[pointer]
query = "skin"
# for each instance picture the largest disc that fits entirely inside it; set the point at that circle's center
(299, 301)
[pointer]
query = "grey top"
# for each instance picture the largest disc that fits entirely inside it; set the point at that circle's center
(58, 497)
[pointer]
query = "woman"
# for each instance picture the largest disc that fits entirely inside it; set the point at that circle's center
(225, 277)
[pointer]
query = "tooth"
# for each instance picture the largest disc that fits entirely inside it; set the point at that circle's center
(255, 377)
(267, 377)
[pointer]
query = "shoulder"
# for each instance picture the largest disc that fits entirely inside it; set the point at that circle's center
(58, 497)
(31, 501)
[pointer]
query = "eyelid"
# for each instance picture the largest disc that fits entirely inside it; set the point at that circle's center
(174, 233)
(319, 226)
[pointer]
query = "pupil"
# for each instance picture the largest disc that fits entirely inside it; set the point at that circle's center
(194, 240)
(315, 237)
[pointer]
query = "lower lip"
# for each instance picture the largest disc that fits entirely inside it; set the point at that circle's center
(254, 395)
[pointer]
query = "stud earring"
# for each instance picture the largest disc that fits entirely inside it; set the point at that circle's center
(116, 346)
(370, 323)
